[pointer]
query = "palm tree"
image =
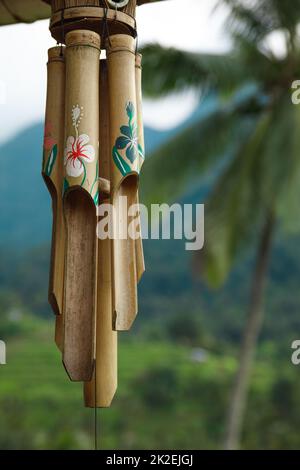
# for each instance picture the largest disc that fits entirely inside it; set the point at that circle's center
(252, 143)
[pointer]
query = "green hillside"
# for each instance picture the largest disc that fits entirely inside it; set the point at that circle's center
(165, 399)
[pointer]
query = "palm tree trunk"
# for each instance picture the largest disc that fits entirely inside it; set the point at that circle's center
(251, 333)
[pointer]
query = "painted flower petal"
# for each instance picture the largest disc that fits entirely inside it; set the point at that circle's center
(88, 153)
(122, 142)
(83, 139)
(131, 153)
(126, 131)
(74, 168)
(70, 141)
(68, 148)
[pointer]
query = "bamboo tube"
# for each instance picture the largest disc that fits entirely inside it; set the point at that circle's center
(80, 199)
(124, 174)
(53, 175)
(59, 331)
(139, 252)
(106, 338)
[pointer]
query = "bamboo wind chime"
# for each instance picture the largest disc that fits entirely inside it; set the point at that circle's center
(93, 153)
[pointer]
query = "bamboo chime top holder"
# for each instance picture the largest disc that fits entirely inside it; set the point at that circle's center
(100, 16)
(93, 153)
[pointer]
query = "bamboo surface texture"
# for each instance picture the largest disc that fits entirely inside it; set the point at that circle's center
(124, 174)
(106, 339)
(91, 18)
(53, 176)
(57, 3)
(59, 332)
(80, 199)
(139, 252)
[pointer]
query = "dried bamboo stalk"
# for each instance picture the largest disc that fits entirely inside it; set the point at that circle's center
(53, 175)
(59, 331)
(124, 173)
(80, 200)
(106, 338)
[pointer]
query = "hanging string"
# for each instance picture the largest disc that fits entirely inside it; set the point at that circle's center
(104, 32)
(136, 37)
(105, 29)
(126, 25)
(95, 409)
(63, 31)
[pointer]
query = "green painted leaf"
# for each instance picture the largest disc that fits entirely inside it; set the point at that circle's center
(96, 198)
(120, 162)
(96, 178)
(130, 110)
(95, 187)
(65, 185)
(51, 160)
(84, 173)
(126, 131)
(141, 152)
(134, 129)
(131, 153)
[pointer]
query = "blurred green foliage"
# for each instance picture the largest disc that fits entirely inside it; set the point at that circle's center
(176, 366)
(165, 398)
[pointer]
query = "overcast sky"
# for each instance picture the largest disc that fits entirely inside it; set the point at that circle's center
(23, 56)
